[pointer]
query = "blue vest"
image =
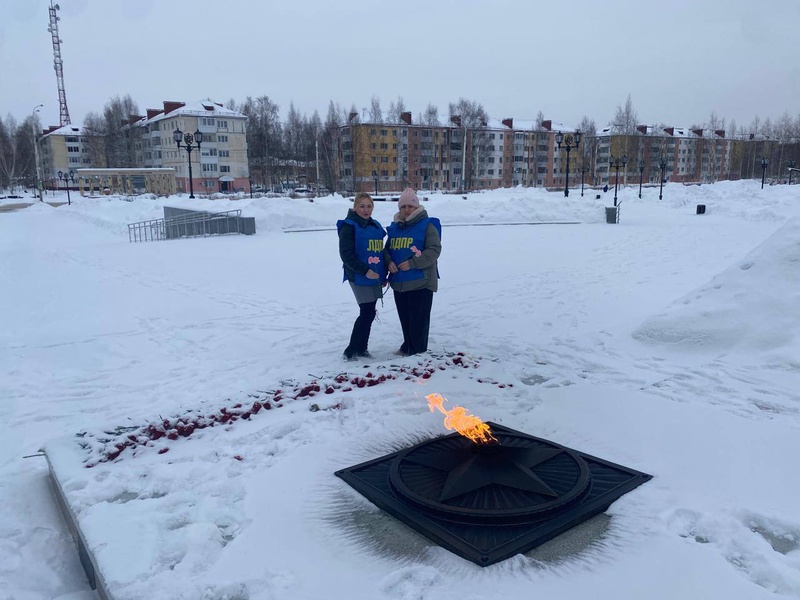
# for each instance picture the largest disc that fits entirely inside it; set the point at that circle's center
(369, 250)
(407, 242)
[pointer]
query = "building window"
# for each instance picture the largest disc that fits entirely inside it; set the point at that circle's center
(224, 153)
(222, 138)
(224, 169)
(222, 124)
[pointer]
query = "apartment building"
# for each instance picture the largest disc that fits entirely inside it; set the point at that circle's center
(380, 157)
(69, 148)
(219, 165)
(688, 155)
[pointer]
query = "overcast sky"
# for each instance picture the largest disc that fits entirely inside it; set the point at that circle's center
(678, 59)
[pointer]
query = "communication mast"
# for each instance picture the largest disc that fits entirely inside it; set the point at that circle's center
(58, 65)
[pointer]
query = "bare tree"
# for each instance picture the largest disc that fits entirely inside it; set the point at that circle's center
(431, 116)
(119, 146)
(328, 144)
(96, 123)
(375, 112)
(625, 118)
(471, 112)
(263, 137)
(16, 150)
(395, 110)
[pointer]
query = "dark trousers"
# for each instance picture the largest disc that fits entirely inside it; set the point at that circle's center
(359, 339)
(414, 311)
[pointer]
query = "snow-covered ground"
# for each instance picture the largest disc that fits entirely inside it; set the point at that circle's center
(667, 343)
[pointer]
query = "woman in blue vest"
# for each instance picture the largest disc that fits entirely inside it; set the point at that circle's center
(361, 250)
(413, 247)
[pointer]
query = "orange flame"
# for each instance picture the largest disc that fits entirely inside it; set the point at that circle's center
(461, 420)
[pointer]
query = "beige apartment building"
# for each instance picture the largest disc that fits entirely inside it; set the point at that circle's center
(66, 149)
(218, 165)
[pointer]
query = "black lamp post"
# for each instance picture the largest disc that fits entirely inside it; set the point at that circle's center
(792, 165)
(663, 165)
(66, 178)
(569, 139)
(584, 171)
(190, 142)
(764, 163)
(375, 175)
(641, 175)
(616, 164)
(250, 179)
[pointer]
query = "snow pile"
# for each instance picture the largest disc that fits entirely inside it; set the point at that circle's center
(749, 308)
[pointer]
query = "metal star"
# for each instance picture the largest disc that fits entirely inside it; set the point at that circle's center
(468, 470)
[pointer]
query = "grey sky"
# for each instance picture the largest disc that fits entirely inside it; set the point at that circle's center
(679, 59)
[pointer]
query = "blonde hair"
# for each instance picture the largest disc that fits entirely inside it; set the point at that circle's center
(361, 196)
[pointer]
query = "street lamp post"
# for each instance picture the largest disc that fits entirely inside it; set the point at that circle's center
(792, 165)
(568, 139)
(66, 178)
(764, 163)
(250, 179)
(663, 165)
(641, 175)
(190, 142)
(375, 176)
(36, 151)
(584, 171)
(616, 163)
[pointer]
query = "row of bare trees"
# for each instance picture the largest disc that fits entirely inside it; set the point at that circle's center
(17, 162)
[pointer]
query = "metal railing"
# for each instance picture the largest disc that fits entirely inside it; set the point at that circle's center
(195, 224)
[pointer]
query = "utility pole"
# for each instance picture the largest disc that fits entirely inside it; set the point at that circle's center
(36, 152)
(316, 150)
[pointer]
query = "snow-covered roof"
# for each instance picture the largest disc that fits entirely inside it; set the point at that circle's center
(69, 130)
(201, 108)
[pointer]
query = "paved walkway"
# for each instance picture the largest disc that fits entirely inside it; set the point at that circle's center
(17, 206)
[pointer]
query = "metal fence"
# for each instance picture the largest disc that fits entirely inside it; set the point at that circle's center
(192, 224)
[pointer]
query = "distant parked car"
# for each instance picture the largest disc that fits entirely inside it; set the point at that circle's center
(302, 192)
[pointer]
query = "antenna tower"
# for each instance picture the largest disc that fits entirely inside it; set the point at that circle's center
(58, 64)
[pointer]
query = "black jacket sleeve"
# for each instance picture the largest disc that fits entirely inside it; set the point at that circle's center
(347, 251)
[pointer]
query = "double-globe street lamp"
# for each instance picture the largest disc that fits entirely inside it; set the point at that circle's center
(616, 163)
(66, 178)
(764, 163)
(663, 166)
(190, 142)
(568, 139)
